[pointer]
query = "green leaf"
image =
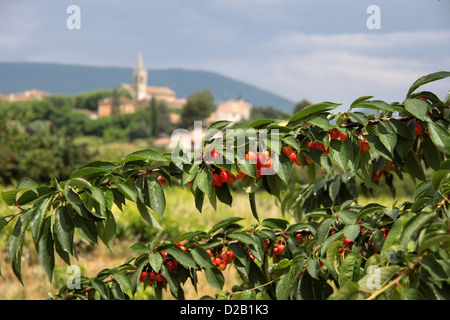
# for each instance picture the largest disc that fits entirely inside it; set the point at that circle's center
(275, 223)
(140, 248)
(310, 110)
(86, 228)
(97, 195)
(122, 280)
(106, 229)
(101, 288)
(242, 237)
(350, 269)
(387, 136)
(204, 180)
(181, 256)
(214, 128)
(312, 266)
(283, 167)
(251, 198)
(332, 254)
(433, 267)
(16, 243)
(145, 155)
(201, 257)
(360, 99)
(10, 197)
(155, 260)
(224, 195)
(292, 142)
(147, 215)
(417, 107)
(345, 292)
(413, 227)
(321, 121)
(400, 128)
(215, 278)
(79, 183)
(433, 241)
(440, 137)
(374, 105)
(46, 252)
(127, 191)
(287, 282)
(156, 197)
(360, 117)
(37, 219)
(413, 166)
(87, 171)
(224, 223)
(427, 79)
(352, 231)
(64, 229)
(438, 177)
(339, 153)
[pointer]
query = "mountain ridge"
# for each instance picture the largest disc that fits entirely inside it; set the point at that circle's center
(71, 79)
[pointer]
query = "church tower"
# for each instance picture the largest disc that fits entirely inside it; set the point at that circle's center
(140, 77)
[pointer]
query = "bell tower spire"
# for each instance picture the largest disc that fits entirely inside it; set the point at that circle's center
(140, 77)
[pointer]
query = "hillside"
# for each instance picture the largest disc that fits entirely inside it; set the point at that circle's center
(73, 79)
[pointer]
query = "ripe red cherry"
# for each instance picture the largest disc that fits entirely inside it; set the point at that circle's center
(287, 150)
(308, 160)
(159, 277)
(276, 251)
(152, 275)
(216, 181)
(311, 144)
(231, 178)
(251, 156)
(217, 261)
(293, 156)
(343, 136)
(335, 134)
(161, 180)
(143, 275)
(363, 146)
(419, 129)
(223, 175)
(320, 146)
(222, 266)
(263, 159)
(209, 251)
(170, 265)
(347, 240)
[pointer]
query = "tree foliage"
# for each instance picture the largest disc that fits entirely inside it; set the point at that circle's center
(198, 107)
(336, 248)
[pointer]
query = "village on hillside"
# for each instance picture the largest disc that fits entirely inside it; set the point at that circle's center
(233, 110)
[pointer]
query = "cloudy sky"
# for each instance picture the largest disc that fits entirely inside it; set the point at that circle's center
(314, 49)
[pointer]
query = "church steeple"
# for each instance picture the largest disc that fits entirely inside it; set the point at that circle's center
(140, 63)
(140, 76)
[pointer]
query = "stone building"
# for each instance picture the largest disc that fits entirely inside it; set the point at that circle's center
(231, 110)
(32, 94)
